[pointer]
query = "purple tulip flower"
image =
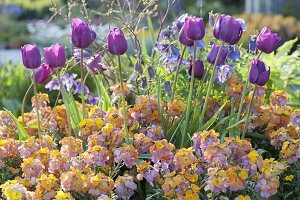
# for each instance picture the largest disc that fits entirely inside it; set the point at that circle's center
(267, 41)
(94, 64)
(31, 56)
(211, 58)
(228, 29)
(199, 69)
(116, 42)
(82, 35)
(42, 73)
(193, 29)
(55, 56)
(258, 73)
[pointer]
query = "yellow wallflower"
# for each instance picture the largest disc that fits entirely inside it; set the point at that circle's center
(289, 178)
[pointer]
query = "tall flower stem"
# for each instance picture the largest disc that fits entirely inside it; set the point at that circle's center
(123, 101)
(82, 84)
(37, 108)
(248, 113)
(211, 80)
(244, 94)
(63, 92)
(176, 73)
(23, 102)
(188, 106)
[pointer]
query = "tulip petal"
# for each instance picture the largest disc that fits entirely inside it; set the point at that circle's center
(263, 78)
(253, 75)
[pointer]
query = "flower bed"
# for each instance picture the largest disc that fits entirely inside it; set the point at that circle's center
(214, 136)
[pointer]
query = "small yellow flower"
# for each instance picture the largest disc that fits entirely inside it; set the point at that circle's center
(289, 178)
(253, 156)
(241, 197)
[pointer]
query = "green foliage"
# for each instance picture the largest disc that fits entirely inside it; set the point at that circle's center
(21, 135)
(14, 81)
(31, 4)
(15, 31)
(285, 71)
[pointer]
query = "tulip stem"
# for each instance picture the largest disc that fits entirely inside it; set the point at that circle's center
(82, 85)
(23, 103)
(37, 107)
(123, 101)
(63, 92)
(211, 80)
(248, 113)
(176, 74)
(188, 106)
(244, 94)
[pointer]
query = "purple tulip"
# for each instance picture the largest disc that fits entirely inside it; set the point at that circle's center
(211, 58)
(116, 42)
(267, 41)
(42, 73)
(258, 74)
(228, 29)
(82, 35)
(199, 69)
(55, 56)
(31, 56)
(94, 64)
(195, 28)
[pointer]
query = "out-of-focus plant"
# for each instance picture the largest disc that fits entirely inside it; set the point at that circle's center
(285, 67)
(14, 81)
(15, 33)
(45, 34)
(31, 4)
(287, 27)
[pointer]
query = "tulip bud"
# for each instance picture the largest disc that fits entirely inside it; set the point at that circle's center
(42, 73)
(228, 29)
(116, 42)
(211, 58)
(267, 41)
(94, 64)
(199, 69)
(151, 72)
(252, 44)
(82, 35)
(167, 87)
(144, 82)
(258, 74)
(55, 56)
(31, 56)
(137, 67)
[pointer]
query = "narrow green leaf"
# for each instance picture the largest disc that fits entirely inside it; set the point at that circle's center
(22, 134)
(261, 151)
(106, 99)
(212, 120)
(224, 120)
(145, 156)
